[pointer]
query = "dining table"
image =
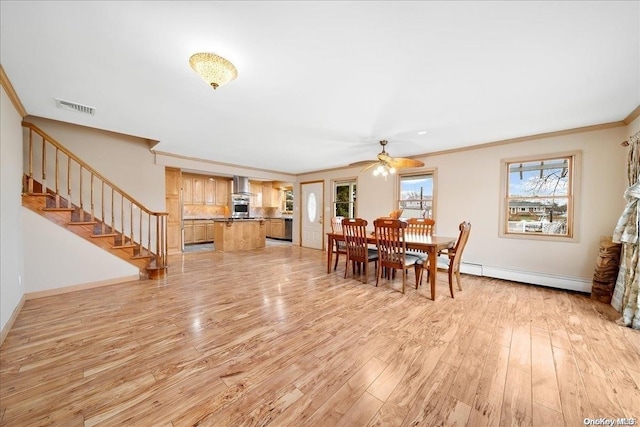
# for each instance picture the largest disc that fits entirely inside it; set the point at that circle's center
(429, 244)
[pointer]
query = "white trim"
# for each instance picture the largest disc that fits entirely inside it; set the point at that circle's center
(577, 284)
(573, 198)
(73, 288)
(12, 319)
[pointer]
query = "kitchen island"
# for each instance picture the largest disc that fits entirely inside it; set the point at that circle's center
(231, 234)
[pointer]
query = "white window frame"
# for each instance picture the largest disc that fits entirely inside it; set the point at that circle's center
(573, 197)
(434, 176)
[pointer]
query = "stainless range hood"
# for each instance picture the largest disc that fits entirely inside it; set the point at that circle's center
(241, 185)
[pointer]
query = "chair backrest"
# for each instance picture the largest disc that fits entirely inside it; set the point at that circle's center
(465, 229)
(420, 226)
(392, 248)
(355, 237)
(336, 224)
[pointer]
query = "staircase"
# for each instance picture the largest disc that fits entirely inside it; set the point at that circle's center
(64, 189)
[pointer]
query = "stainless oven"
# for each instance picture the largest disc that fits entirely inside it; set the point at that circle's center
(240, 206)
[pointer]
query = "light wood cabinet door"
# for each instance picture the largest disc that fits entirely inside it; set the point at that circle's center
(199, 231)
(256, 194)
(267, 199)
(198, 191)
(210, 192)
(267, 227)
(172, 182)
(277, 198)
(187, 191)
(222, 192)
(210, 231)
(188, 232)
(277, 228)
(173, 185)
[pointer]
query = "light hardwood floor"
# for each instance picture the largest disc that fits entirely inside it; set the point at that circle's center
(266, 337)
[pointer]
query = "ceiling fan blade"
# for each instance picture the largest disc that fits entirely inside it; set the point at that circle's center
(364, 163)
(373, 164)
(403, 162)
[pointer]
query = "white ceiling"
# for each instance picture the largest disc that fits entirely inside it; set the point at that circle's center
(319, 83)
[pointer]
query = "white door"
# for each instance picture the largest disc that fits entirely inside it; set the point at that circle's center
(311, 208)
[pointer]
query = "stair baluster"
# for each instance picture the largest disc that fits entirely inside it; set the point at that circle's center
(127, 237)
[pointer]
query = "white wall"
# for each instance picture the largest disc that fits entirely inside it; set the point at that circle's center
(56, 258)
(12, 286)
(125, 160)
(468, 188)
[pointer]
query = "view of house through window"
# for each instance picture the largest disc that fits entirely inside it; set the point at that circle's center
(539, 197)
(344, 199)
(416, 195)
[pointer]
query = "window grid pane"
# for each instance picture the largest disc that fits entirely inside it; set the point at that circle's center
(538, 199)
(416, 196)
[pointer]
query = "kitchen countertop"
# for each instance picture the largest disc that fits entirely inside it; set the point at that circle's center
(221, 219)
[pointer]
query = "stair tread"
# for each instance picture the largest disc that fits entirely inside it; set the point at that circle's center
(52, 206)
(123, 246)
(58, 209)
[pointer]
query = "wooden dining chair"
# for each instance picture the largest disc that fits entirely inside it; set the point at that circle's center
(420, 226)
(450, 259)
(392, 248)
(358, 251)
(340, 246)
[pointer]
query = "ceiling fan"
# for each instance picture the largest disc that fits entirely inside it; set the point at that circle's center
(385, 164)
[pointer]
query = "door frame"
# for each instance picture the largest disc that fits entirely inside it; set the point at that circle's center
(303, 209)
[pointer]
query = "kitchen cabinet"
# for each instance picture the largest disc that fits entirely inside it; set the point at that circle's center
(210, 192)
(210, 231)
(256, 194)
(267, 227)
(277, 228)
(199, 231)
(187, 191)
(222, 191)
(188, 232)
(205, 190)
(271, 196)
(267, 189)
(198, 191)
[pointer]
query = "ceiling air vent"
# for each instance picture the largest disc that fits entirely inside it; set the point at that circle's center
(73, 106)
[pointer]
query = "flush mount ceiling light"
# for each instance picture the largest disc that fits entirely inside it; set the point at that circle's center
(213, 69)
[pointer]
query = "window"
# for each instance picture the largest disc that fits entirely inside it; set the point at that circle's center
(344, 199)
(416, 195)
(539, 196)
(288, 201)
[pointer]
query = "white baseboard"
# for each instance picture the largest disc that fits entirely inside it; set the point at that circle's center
(73, 288)
(12, 319)
(577, 284)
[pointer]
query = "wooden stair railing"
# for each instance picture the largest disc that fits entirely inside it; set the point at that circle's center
(93, 201)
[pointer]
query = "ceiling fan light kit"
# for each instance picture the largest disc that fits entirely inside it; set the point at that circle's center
(215, 70)
(384, 170)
